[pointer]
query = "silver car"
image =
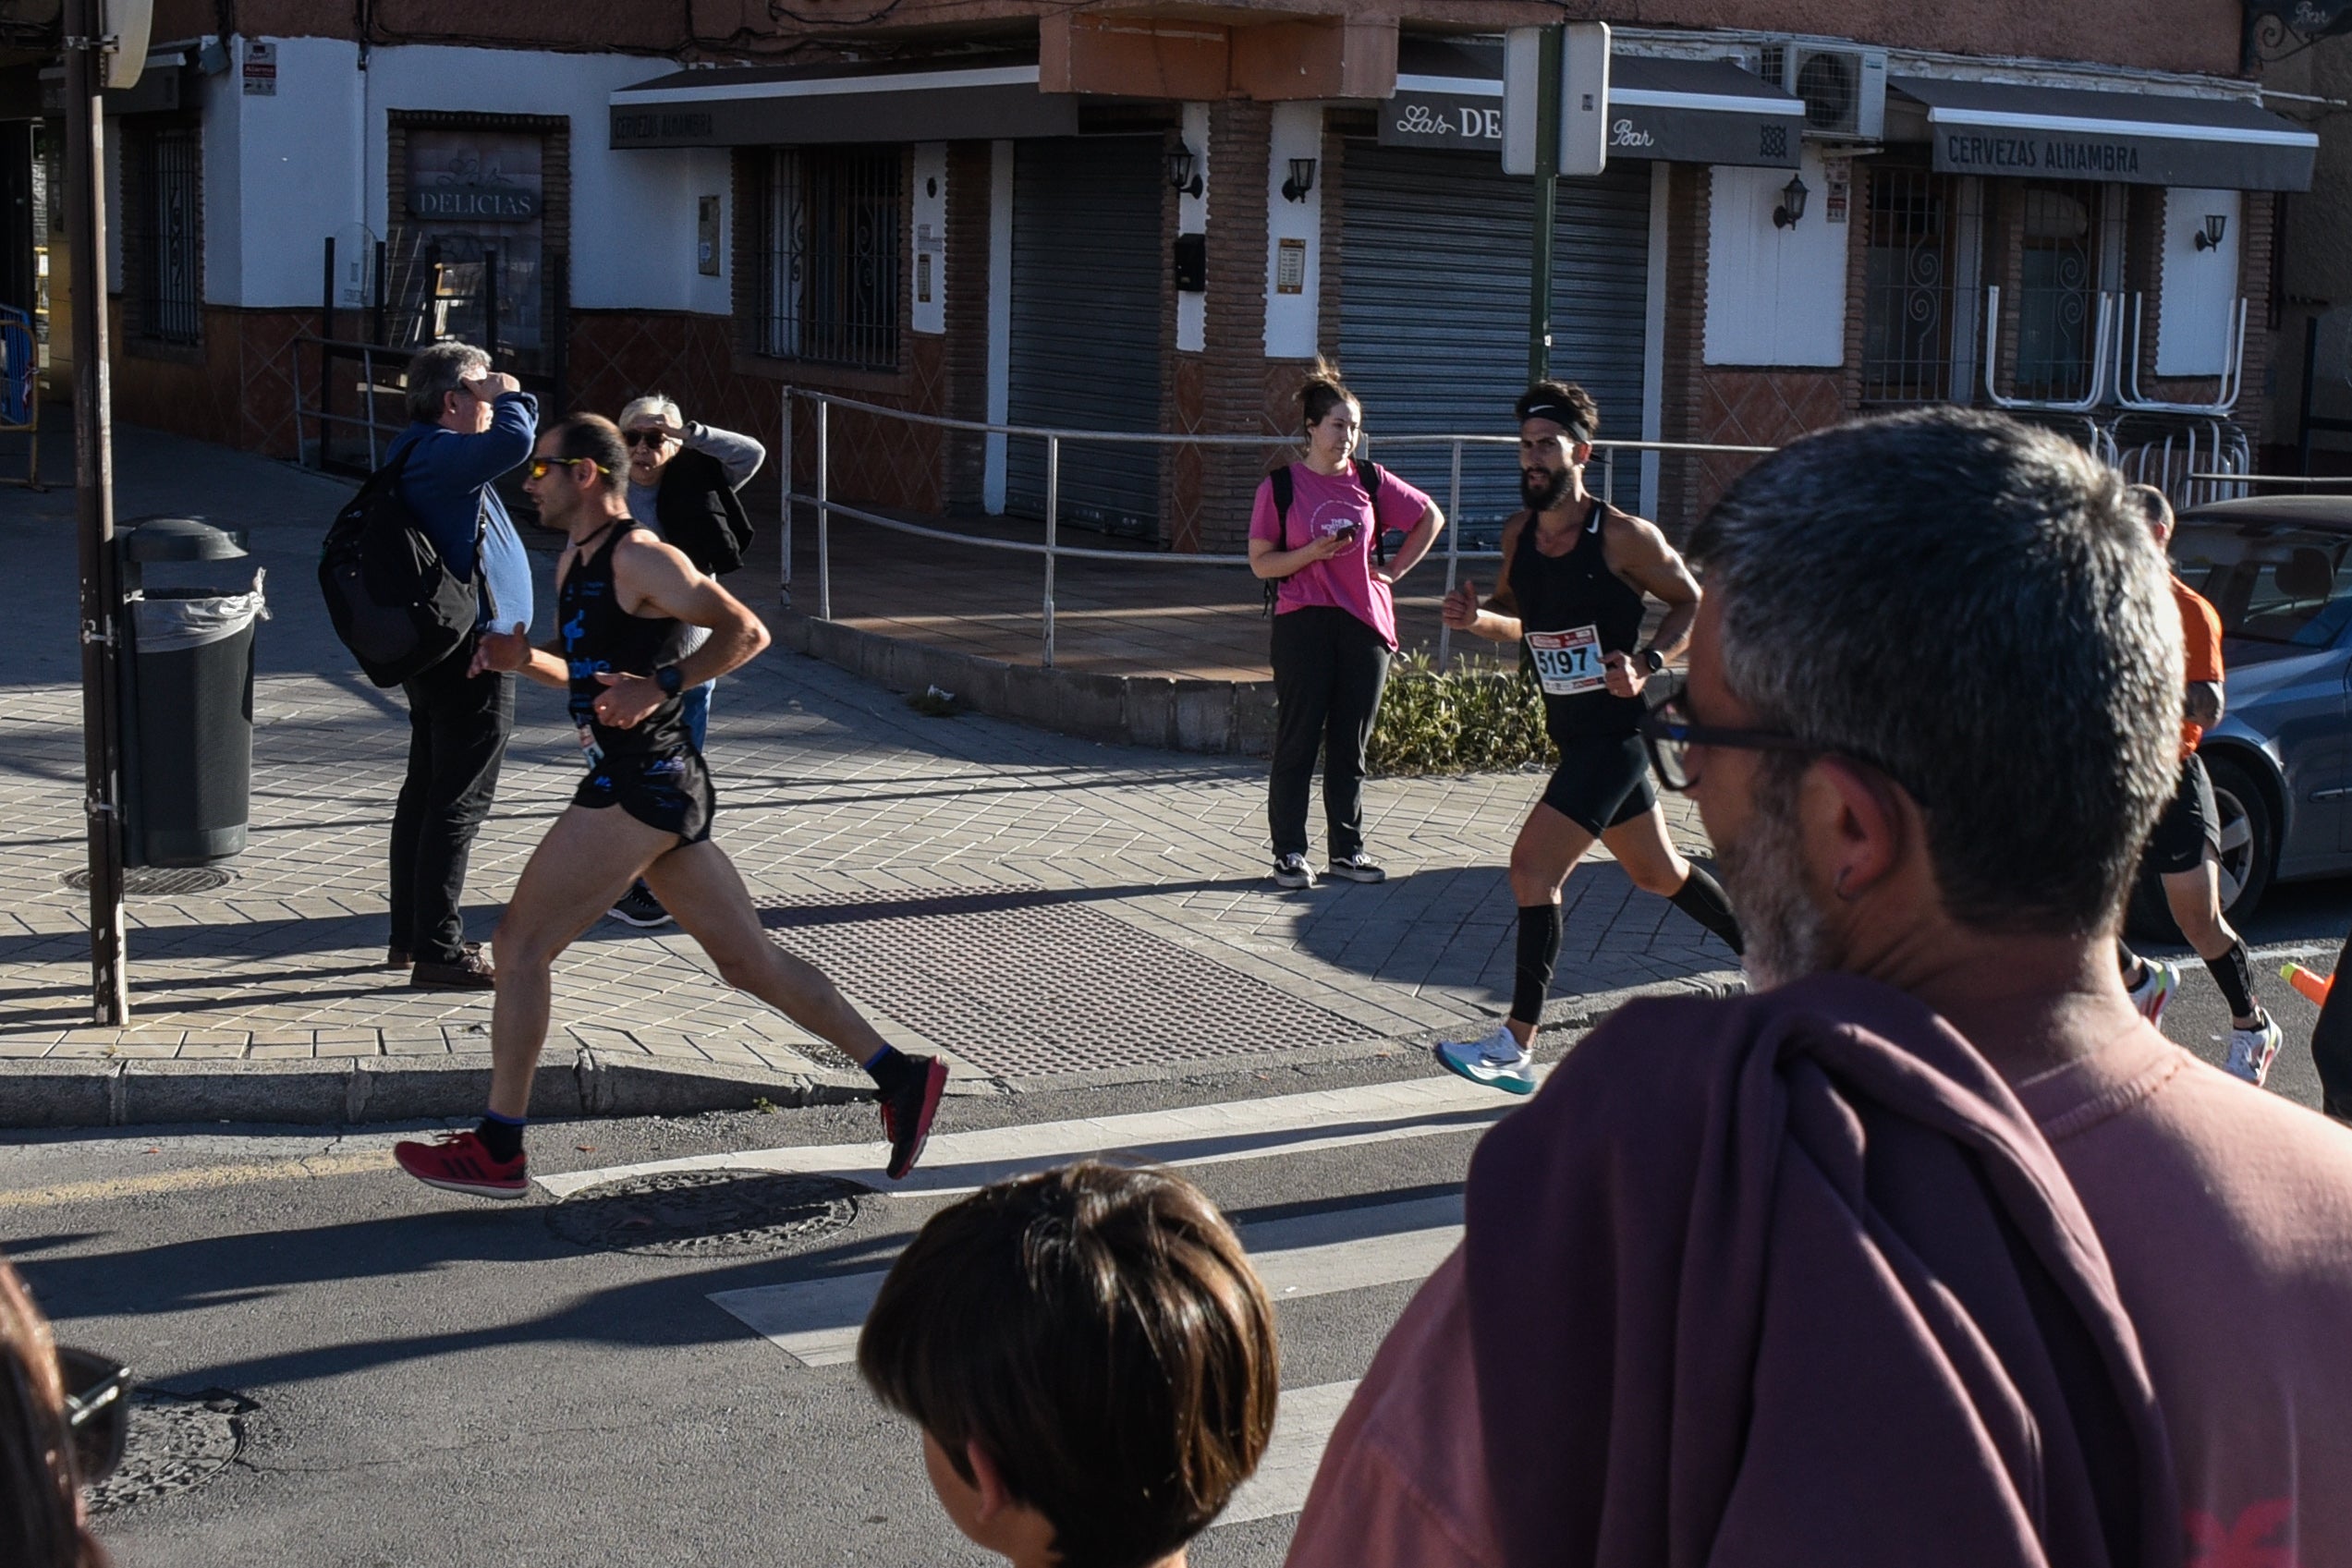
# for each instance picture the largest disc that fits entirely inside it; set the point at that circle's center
(2276, 569)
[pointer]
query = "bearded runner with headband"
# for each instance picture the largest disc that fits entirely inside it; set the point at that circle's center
(1575, 570)
(624, 601)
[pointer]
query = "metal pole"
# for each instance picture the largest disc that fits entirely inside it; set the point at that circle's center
(824, 489)
(490, 304)
(382, 286)
(784, 495)
(1053, 511)
(1547, 198)
(367, 375)
(1609, 475)
(2303, 423)
(326, 352)
(1452, 554)
(94, 512)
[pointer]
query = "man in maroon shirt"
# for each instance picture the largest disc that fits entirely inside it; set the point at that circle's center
(1932, 711)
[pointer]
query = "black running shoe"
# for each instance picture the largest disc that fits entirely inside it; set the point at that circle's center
(906, 1112)
(639, 907)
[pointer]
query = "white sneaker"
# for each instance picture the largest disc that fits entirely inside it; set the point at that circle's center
(2157, 983)
(1292, 871)
(2250, 1050)
(1498, 1062)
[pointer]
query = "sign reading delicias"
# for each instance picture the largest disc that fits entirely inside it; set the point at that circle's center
(473, 203)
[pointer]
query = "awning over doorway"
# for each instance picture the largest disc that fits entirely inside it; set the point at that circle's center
(976, 98)
(1450, 94)
(1984, 127)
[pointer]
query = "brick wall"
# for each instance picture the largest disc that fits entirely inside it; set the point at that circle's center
(1234, 374)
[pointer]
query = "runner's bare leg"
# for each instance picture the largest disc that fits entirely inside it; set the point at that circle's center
(588, 859)
(699, 885)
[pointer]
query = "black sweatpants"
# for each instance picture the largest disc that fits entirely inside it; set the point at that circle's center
(457, 729)
(1329, 669)
(2332, 1042)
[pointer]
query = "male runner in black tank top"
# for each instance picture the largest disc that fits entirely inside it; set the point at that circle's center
(624, 601)
(1574, 573)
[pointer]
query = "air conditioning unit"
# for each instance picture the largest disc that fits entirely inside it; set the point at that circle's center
(1844, 89)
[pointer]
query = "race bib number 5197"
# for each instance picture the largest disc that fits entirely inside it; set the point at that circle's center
(1568, 662)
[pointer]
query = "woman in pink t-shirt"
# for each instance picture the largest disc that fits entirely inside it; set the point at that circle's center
(1334, 624)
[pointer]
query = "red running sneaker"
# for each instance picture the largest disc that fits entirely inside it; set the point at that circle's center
(907, 1112)
(459, 1163)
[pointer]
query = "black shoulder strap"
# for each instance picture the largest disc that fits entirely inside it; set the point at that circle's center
(1285, 490)
(1368, 474)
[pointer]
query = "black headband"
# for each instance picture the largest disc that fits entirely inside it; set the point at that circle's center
(1562, 416)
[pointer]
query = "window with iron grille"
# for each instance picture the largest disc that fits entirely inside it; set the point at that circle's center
(1907, 299)
(163, 237)
(828, 266)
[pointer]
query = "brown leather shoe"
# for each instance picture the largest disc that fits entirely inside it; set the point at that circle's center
(470, 972)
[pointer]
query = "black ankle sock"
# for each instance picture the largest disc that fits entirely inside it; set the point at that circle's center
(502, 1137)
(1539, 950)
(888, 1067)
(2236, 976)
(1701, 897)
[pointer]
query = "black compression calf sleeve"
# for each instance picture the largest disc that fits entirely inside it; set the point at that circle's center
(1539, 950)
(1701, 897)
(2236, 976)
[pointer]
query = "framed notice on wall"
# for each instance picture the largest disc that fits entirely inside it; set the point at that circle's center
(1290, 267)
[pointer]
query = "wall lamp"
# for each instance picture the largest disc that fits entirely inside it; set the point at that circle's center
(1792, 202)
(2210, 237)
(1302, 180)
(1184, 171)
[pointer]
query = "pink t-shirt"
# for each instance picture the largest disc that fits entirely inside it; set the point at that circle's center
(1321, 503)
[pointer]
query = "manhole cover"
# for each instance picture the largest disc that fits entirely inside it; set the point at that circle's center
(706, 1213)
(177, 1443)
(977, 971)
(162, 882)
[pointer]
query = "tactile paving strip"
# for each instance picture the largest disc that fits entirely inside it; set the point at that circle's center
(1028, 981)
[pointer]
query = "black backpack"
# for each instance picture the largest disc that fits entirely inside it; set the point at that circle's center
(1368, 474)
(394, 602)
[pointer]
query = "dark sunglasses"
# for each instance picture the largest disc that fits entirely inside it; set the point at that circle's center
(97, 1411)
(654, 438)
(1670, 734)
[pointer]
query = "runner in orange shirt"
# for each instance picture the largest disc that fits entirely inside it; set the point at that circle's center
(2186, 847)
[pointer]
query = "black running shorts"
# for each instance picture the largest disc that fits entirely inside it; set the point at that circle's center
(1600, 782)
(2190, 827)
(670, 791)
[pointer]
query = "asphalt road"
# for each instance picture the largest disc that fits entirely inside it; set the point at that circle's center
(353, 1371)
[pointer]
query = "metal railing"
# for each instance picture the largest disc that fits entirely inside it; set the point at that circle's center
(1052, 550)
(323, 413)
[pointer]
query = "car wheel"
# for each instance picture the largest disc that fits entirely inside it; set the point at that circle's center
(2249, 838)
(2249, 854)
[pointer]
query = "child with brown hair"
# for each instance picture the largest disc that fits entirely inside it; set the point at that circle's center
(1091, 1362)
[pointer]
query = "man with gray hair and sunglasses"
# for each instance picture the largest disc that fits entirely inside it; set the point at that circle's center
(1931, 1250)
(469, 424)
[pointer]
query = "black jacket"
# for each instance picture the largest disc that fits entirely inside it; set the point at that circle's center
(698, 513)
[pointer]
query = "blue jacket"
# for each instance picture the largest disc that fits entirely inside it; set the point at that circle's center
(448, 476)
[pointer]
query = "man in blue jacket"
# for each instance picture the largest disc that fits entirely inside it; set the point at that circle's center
(468, 425)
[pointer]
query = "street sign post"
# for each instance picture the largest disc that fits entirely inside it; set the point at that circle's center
(87, 45)
(1556, 121)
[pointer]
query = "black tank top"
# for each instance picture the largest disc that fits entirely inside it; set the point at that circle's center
(599, 634)
(1574, 609)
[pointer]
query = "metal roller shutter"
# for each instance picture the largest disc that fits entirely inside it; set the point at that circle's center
(1087, 264)
(1433, 308)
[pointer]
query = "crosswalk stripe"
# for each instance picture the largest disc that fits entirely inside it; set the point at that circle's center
(1196, 1134)
(1303, 1423)
(817, 1321)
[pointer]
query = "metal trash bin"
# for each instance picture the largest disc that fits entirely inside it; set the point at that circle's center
(187, 711)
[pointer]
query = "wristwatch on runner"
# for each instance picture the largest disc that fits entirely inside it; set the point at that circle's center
(669, 678)
(1654, 660)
